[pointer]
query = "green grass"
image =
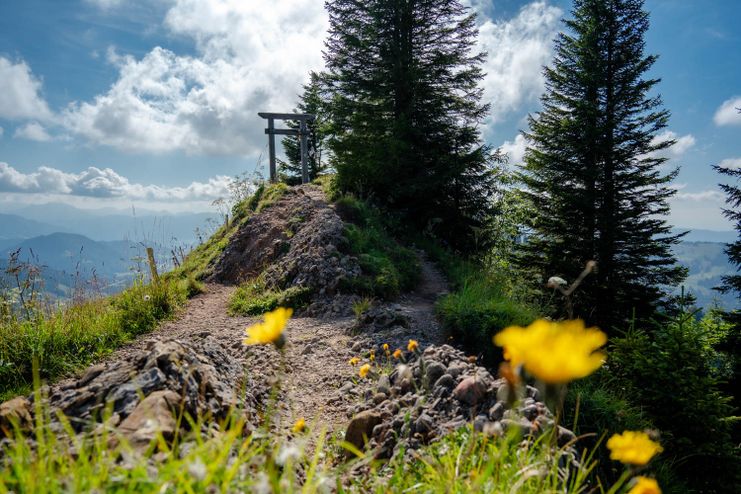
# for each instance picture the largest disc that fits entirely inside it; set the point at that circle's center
(67, 339)
(271, 460)
(253, 299)
(482, 302)
(388, 267)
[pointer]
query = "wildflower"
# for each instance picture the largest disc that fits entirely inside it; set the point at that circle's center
(555, 352)
(147, 298)
(372, 356)
(271, 330)
(354, 361)
(364, 370)
(645, 485)
(386, 348)
(632, 447)
(413, 345)
(555, 282)
(397, 353)
(299, 426)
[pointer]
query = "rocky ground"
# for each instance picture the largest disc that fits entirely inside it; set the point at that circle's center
(198, 364)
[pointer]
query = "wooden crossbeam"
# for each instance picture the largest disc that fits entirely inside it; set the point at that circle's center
(287, 116)
(282, 132)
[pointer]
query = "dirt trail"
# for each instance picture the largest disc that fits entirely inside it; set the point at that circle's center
(318, 384)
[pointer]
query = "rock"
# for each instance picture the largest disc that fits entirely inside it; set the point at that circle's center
(445, 382)
(565, 436)
(455, 369)
(384, 385)
(480, 422)
(360, 429)
(470, 391)
(424, 424)
(496, 412)
(529, 412)
(434, 371)
(152, 417)
(379, 398)
(15, 413)
(522, 426)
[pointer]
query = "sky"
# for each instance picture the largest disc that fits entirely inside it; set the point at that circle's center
(113, 103)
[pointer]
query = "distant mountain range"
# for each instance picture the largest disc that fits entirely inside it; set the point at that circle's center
(73, 245)
(148, 226)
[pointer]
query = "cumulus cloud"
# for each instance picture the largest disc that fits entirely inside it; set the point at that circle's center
(515, 150)
(105, 183)
(681, 145)
(728, 113)
(699, 209)
(517, 50)
(251, 56)
(731, 163)
(20, 93)
(33, 131)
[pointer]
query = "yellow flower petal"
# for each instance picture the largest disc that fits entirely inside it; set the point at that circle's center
(364, 370)
(299, 426)
(645, 485)
(554, 352)
(412, 345)
(270, 330)
(397, 353)
(634, 448)
(354, 361)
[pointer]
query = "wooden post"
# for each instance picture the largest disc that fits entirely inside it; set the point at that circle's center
(271, 145)
(153, 266)
(303, 134)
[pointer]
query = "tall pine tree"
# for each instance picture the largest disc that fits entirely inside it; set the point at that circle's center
(311, 102)
(403, 81)
(593, 168)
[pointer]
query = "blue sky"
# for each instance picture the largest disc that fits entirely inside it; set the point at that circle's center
(113, 103)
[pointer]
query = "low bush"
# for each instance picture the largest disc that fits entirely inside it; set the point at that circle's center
(253, 299)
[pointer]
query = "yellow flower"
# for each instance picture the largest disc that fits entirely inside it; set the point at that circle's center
(397, 353)
(632, 447)
(354, 361)
(386, 348)
(372, 356)
(645, 485)
(299, 426)
(271, 330)
(364, 370)
(412, 346)
(554, 352)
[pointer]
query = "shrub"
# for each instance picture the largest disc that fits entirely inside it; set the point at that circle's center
(253, 299)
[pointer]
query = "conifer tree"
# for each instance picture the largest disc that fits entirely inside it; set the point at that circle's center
(311, 102)
(403, 82)
(593, 167)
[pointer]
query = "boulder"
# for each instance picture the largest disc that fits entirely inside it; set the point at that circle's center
(470, 391)
(360, 429)
(154, 416)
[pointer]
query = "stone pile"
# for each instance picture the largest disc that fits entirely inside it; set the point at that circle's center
(439, 392)
(295, 242)
(145, 393)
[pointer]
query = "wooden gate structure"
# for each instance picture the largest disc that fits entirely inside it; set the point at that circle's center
(302, 133)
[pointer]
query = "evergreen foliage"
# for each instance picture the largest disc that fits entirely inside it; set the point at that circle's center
(290, 170)
(592, 170)
(402, 81)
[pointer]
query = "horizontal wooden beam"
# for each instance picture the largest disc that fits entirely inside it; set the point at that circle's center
(282, 132)
(287, 116)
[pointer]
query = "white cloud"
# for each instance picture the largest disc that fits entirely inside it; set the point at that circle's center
(20, 93)
(517, 50)
(515, 150)
(699, 209)
(681, 145)
(731, 163)
(728, 113)
(251, 56)
(106, 183)
(32, 131)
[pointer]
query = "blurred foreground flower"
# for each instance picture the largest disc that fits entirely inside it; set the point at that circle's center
(634, 448)
(299, 426)
(554, 352)
(270, 330)
(354, 361)
(364, 370)
(645, 485)
(412, 345)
